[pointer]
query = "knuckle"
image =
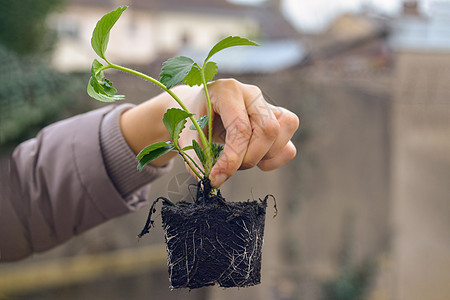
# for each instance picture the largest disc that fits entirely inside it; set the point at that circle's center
(236, 86)
(242, 128)
(229, 164)
(230, 83)
(247, 164)
(253, 90)
(290, 121)
(225, 92)
(271, 128)
(253, 95)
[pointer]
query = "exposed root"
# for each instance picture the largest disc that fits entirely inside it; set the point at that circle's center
(274, 204)
(210, 245)
(212, 241)
(149, 223)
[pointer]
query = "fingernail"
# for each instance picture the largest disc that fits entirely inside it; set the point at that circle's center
(218, 180)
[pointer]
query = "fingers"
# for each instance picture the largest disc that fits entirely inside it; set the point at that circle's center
(230, 106)
(286, 154)
(265, 129)
(256, 133)
(289, 124)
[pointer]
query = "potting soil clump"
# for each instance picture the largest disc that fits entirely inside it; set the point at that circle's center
(212, 241)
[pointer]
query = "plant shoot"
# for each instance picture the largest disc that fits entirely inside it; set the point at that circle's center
(174, 71)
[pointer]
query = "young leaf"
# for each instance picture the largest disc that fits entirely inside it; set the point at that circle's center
(174, 120)
(147, 158)
(100, 36)
(200, 152)
(210, 70)
(174, 70)
(201, 122)
(230, 41)
(216, 149)
(99, 89)
(153, 147)
(194, 77)
(190, 147)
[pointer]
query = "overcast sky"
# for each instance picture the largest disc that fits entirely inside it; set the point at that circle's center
(313, 15)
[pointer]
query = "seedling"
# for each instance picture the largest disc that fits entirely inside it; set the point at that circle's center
(176, 70)
(210, 241)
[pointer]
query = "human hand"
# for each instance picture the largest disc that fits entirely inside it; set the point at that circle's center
(254, 132)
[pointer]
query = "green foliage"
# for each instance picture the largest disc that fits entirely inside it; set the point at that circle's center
(227, 42)
(184, 69)
(174, 70)
(30, 91)
(351, 284)
(202, 122)
(152, 152)
(174, 120)
(210, 70)
(216, 149)
(31, 97)
(194, 77)
(149, 149)
(23, 26)
(100, 36)
(200, 152)
(100, 89)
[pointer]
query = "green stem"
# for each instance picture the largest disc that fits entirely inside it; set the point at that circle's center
(178, 100)
(208, 100)
(193, 161)
(189, 164)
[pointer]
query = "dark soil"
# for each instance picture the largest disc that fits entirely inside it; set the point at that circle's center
(212, 241)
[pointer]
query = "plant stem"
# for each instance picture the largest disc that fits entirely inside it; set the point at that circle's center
(209, 158)
(189, 164)
(193, 161)
(205, 142)
(208, 100)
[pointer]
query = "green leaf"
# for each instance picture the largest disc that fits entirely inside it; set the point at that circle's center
(99, 89)
(200, 152)
(190, 147)
(153, 147)
(210, 70)
(216, 149)
(147, 158)
(230, 41)
(194, 77)
(174, 120)
(100, 36)
(174, 70)
(201, 122)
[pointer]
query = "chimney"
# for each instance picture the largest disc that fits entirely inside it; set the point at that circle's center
(411, 8)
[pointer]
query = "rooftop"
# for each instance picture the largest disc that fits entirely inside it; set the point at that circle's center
(270, 57)
(272, 23)
(424, 33)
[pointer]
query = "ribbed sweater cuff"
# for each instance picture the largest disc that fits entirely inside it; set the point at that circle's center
(120, 160)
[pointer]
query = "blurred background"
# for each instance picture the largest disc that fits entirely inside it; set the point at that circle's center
(364, 208)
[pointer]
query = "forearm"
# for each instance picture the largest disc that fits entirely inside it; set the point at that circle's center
(74, 175)
(58, 188)
(143, 125)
